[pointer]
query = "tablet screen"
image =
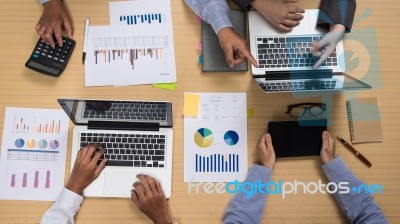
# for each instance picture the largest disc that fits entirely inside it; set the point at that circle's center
(291, 139)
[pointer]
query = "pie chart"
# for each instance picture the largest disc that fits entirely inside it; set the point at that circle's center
(42, 144)
(231, 137)
(54, 144)
(31, 143)
(19, 143)
(203, 137)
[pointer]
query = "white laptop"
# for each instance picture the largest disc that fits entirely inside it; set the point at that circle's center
(137, 136)
(285, 59)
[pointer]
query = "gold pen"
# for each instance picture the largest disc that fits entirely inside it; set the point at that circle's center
(356, 153)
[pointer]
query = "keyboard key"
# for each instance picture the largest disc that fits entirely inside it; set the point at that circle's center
(157, 158)
(119, 163)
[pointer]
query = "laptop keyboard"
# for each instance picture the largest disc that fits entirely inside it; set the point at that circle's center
(137, 150)
(298, 85)
(289, 52)
(127, 110)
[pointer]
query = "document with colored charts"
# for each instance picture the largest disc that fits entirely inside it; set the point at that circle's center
(215, 139)
(33, 154)
(137, 48)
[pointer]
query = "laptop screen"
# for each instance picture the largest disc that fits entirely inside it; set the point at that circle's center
(351, 83)
(82, 111)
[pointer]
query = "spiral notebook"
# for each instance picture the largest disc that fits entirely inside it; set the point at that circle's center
(364, 120)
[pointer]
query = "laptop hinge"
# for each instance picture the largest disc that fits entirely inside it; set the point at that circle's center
(117, 125)
(306, 74)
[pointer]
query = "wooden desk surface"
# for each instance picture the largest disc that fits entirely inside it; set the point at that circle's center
(20, 87)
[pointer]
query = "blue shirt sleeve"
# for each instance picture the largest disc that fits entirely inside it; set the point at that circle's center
(213, 12)
(357, 207)
(244, 209)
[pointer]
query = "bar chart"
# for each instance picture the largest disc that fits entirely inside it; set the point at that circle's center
(20, 125)
(52, 127)
(38, 178)
(108, 56)
(147, 18)
(217, 163)
(135, 51)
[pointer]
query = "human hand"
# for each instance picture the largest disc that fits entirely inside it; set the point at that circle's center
(53, 19)
(149, 198)
(325, 47)
(85, 169)
(328, 148)
(266, 153)
(235, 47)
(280, 13)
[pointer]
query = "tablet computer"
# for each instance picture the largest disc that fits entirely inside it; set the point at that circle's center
(297, 138)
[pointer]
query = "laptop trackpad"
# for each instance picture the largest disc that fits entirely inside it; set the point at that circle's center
(119, 182)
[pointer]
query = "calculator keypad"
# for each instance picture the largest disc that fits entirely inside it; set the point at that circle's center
(48, 60)
(58, 54)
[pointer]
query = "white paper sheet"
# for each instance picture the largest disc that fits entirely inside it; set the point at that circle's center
(137, 48)
(217, 137)
(33, 154)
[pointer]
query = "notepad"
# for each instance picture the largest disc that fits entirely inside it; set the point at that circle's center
(364, 120)
(191, 104)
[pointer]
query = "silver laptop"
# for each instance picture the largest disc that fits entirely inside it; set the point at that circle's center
(285, 59)
(137, 136)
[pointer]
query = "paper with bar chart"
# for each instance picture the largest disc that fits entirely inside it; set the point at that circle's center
(215, 142)
(33, 154)
(137, 48)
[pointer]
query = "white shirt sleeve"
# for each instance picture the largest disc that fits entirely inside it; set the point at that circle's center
(43, 1)
(64, 208)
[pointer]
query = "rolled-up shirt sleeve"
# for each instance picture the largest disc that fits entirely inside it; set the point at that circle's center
(336, 12)
(213, 12)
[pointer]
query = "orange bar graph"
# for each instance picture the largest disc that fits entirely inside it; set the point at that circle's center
(53, 127)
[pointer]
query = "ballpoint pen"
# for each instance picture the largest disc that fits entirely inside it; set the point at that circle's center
(356, 153)
(85, 39)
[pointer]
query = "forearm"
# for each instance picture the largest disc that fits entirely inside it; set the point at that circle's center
(214, 12)
(64, 208)
(336, 12)
(358, 207)
(245, 209)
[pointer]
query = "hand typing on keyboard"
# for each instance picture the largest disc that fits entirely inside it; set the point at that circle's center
(235, 47)
(280, 13)
(85, 169)
(326, 46)
(149, 198)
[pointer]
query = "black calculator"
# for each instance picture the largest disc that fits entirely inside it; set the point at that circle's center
(49, 61)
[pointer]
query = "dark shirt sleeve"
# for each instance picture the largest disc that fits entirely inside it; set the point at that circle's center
(244, 4)
(336, 12)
